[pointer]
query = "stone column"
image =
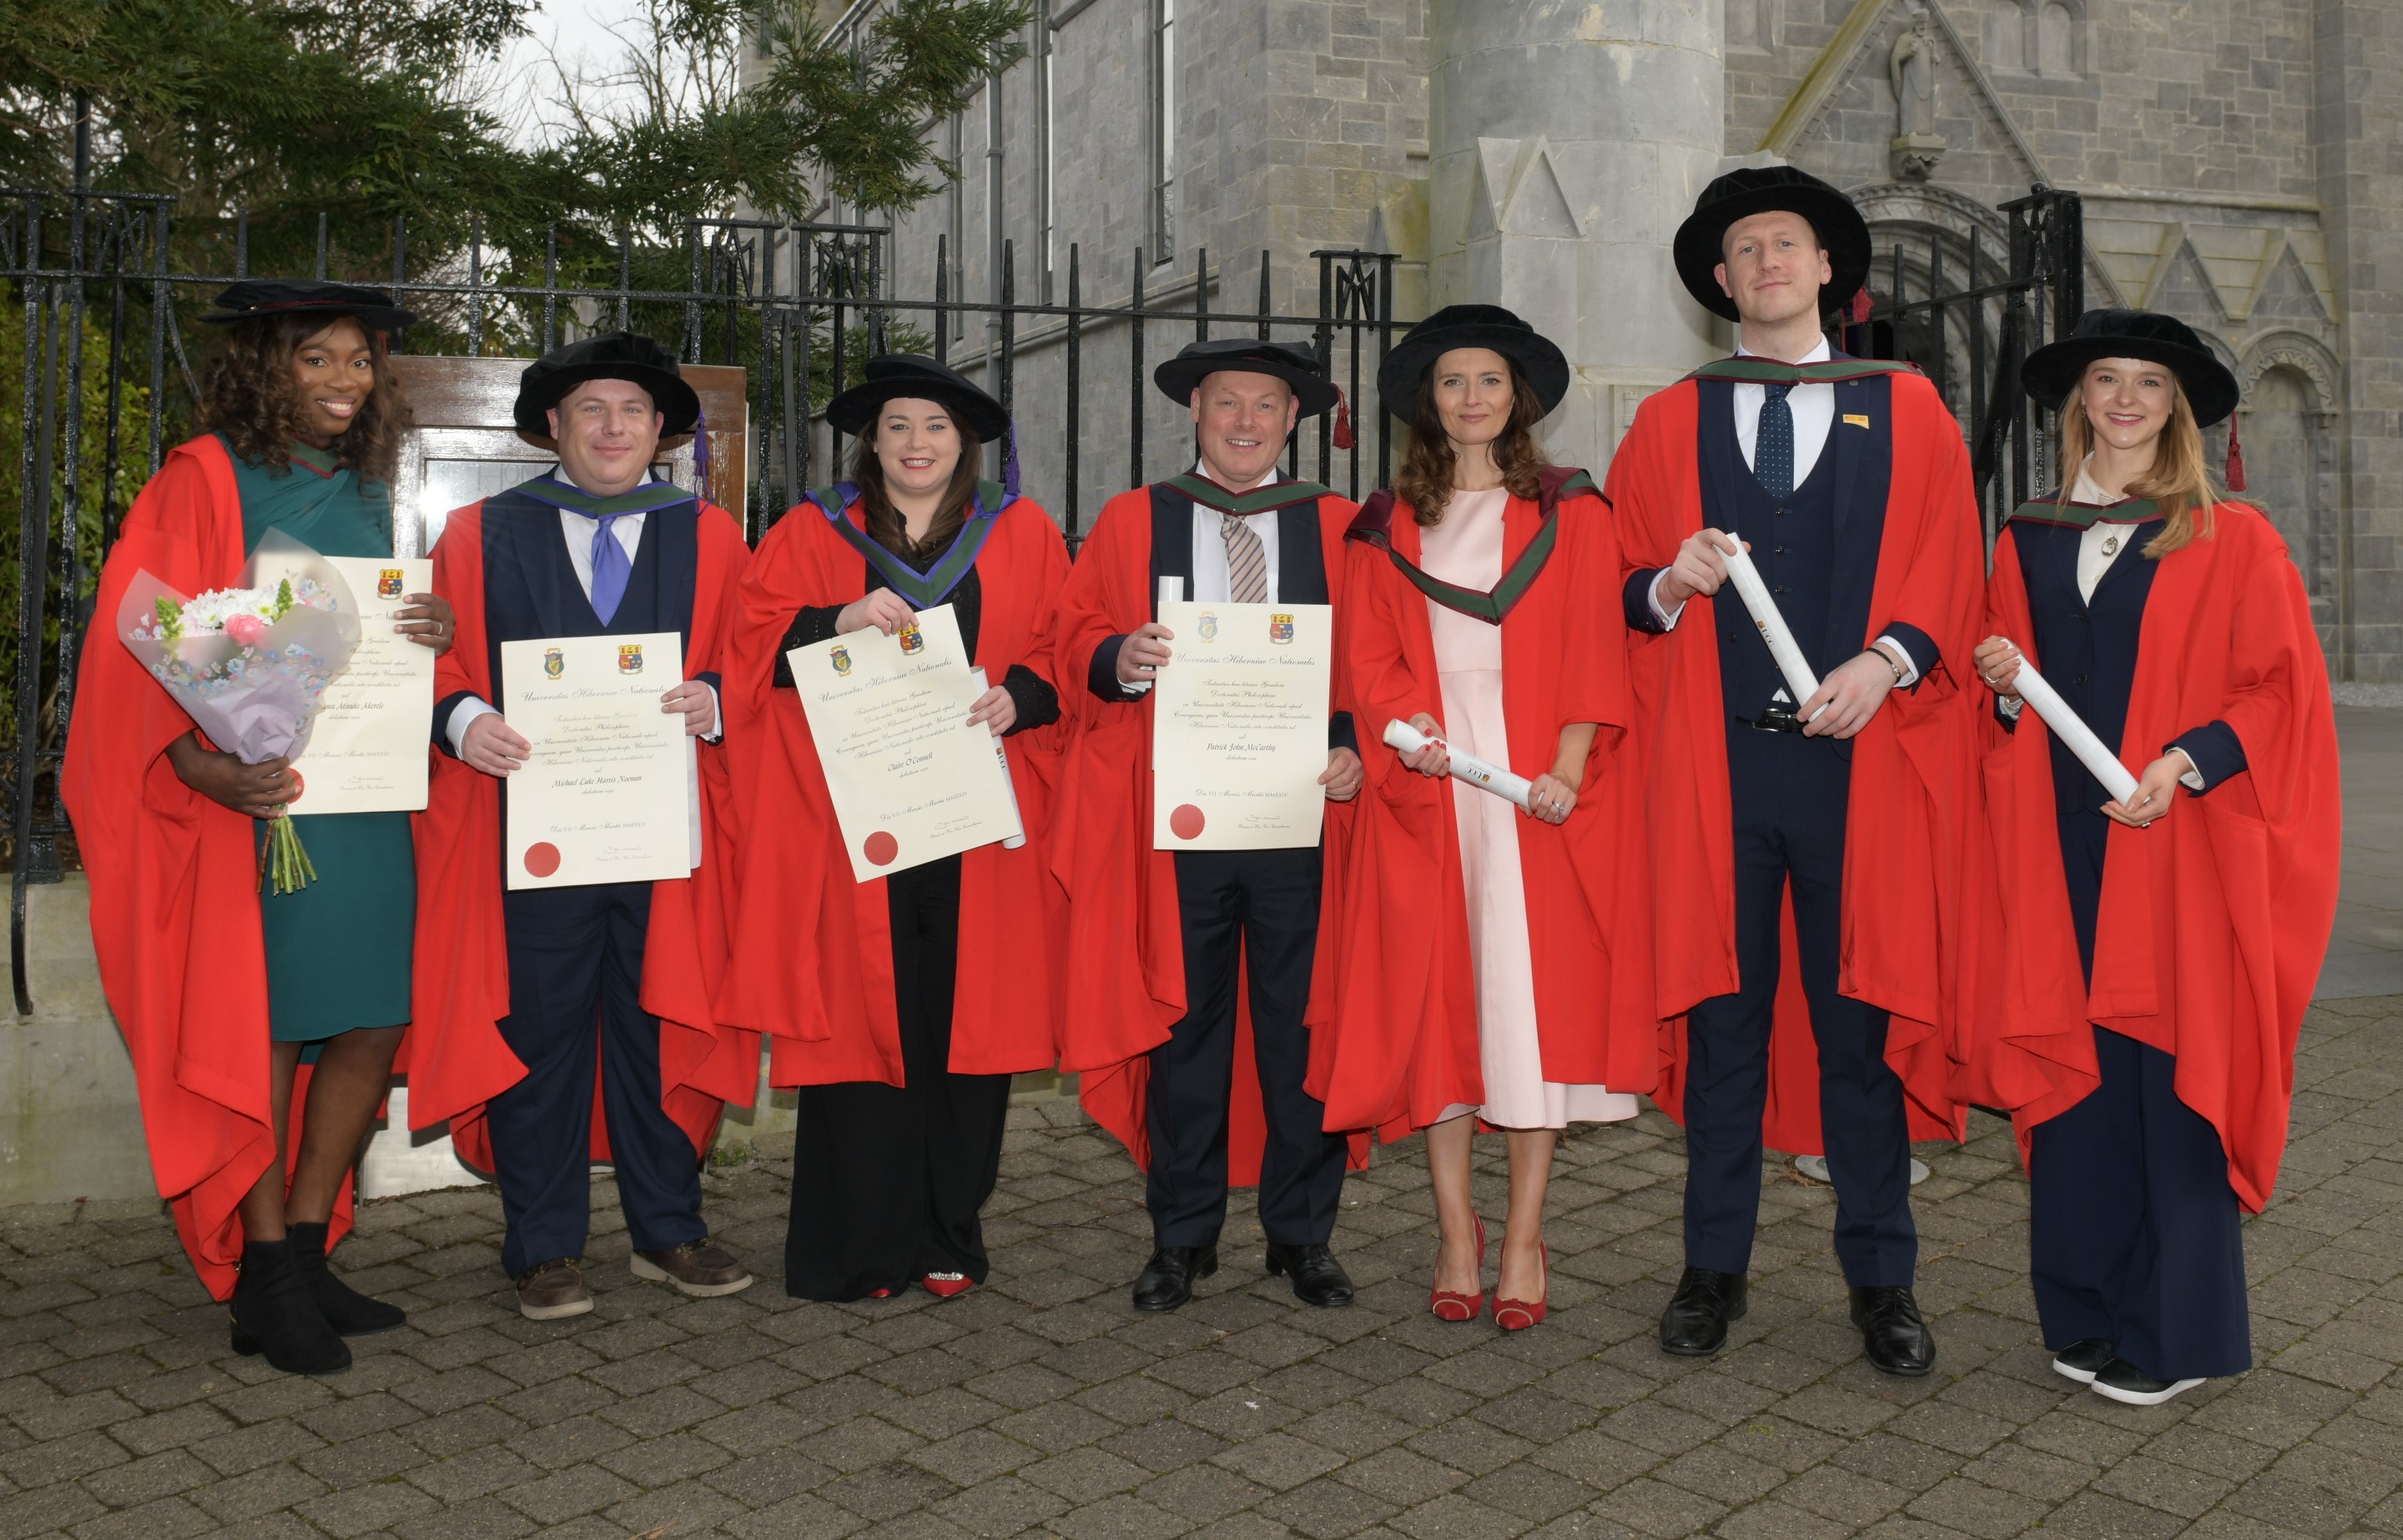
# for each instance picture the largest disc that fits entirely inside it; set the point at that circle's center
(1567, 139)
(2357, 121)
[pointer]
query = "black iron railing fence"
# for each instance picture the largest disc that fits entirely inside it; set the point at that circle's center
(108, 286)
(1970, 338)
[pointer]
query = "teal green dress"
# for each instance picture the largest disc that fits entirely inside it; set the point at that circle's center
(338, 951)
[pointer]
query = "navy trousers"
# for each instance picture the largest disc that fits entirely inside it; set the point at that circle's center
(576, 972)
(2133, 1232)
(1789, 795)
(1265, 902)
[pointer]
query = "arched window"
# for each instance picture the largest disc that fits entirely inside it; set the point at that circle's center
(2056, 39)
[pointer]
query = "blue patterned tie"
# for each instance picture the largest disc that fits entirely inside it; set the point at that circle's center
(1773, 450)
(611, 569)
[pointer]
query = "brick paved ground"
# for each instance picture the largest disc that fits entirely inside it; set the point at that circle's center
(1042, 1402)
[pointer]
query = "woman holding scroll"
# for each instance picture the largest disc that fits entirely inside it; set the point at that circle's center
(262, 1024)
(2161, 948)
(1497, 964)
(901, 1005)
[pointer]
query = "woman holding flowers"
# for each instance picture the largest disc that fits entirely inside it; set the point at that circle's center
(2160, 947)
(231, 998)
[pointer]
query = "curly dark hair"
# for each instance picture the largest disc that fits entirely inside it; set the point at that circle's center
(1425, 481)
(247, 395)
(885, 526)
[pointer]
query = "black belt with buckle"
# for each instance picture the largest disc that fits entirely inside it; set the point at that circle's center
(1772, 720)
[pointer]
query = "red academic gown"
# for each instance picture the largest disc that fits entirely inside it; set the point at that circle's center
(175, 884)
(461, 982)
(1907, 947)
(813, 962)
(1125, 950)
(1402, 1044)
(2214, 922)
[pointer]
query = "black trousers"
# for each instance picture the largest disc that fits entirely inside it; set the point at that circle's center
(1259, 908)
(575, 973)
(2134, 1235)
(887, 1180)
(1790, 797)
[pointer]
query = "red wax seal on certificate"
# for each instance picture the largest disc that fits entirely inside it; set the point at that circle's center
(881, 848)
(1186, 822)
(542, 859)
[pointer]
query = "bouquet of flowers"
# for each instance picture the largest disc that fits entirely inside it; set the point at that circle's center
(250, 664)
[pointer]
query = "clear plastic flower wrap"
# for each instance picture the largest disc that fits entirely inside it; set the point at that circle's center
(250, 665)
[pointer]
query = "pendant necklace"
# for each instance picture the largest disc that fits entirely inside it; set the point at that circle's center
(2110, 545)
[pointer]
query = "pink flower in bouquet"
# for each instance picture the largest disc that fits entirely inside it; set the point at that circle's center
(245, 630)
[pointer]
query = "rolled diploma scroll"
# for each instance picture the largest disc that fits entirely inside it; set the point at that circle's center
(1773, 629)
(2066, 725)
(1406, 739)
(1018, 841)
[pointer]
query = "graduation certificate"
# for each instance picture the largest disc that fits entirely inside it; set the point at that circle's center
(367, 749)
(911, 780)
(606, 795)
(1239, 728)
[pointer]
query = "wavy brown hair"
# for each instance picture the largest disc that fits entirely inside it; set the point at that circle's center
(885, 526)
(247, 395)
(2179, 483)
(1425, 481)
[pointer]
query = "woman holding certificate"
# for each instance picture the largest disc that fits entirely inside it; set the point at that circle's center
(234, 999)
(899, 1005)
(2146, 1043)
(1497, 964)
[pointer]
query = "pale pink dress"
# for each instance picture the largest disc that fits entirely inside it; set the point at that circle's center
(1465, 550)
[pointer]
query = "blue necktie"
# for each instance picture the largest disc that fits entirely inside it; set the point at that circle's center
(1772, 449)
(611, 569)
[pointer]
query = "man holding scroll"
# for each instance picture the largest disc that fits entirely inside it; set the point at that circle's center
(1157, 939)
(597, 547)
(1849, 483)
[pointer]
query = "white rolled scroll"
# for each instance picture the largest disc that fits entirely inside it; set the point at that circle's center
(2071, 729)
(1773, 629)
(1018, 841)
(1172, 591)
(1405, 739)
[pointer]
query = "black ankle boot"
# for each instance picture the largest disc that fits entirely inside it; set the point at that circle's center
(273, 1314)
(350, 1312)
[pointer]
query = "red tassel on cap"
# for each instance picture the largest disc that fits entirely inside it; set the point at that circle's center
(2235, 459)
(1343, 439)
(1860, 306)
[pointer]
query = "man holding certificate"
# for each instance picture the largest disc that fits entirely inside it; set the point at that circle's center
(587, 900)
(2163, 940)
(901, 1001)
(1158, 936)
(1849, 483)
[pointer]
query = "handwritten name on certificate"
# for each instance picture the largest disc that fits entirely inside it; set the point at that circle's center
(911, 780)
(605, 794)
(368, 751)
(1238, 731)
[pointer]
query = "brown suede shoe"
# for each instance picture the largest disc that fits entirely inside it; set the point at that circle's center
(702, 1268)
(549, 1290)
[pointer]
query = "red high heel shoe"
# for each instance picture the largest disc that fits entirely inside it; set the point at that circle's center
(1519, 1315)
(948, 1286)
(1451, 1305)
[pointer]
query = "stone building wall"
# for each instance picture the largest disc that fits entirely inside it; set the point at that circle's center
(2238, 159)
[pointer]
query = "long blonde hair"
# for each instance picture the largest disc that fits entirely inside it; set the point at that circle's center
(2179, 483)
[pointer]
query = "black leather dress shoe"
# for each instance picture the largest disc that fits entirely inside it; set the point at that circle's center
(1318, 1278)
(1167, 1280)
(1695, 1325)
(1893, 1333)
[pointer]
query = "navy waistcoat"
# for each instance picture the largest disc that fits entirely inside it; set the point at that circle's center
(2086, 648)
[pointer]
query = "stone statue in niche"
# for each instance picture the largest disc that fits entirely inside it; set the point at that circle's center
(1911, 70)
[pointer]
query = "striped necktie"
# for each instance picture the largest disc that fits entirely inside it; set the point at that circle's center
(1247, 566)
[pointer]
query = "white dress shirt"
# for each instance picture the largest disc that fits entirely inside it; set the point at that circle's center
(1211, 583)
(1814, 417)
